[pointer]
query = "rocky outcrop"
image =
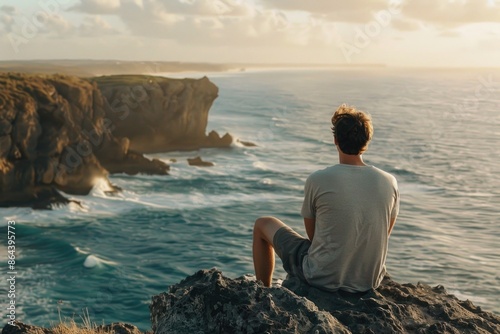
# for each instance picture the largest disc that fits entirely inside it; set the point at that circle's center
(161, 114)
(199, 162)
(208, 302)
(54, 134)
(63, 133)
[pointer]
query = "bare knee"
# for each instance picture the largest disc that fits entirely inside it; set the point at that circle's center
(266, 227)
(261, 222)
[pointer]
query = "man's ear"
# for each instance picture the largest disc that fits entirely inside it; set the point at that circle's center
(335, 141)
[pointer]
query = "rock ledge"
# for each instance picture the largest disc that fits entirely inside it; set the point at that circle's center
(208, 302)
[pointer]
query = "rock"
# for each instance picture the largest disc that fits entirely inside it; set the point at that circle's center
(161, 114)
(214, 140)
(246, 143)
(5, 146)
(198, 162)
(40, 197)
(54, 134)
(208, 302)
(400, 308)
(119, 328)
(5, 127)
(20, 328)
(135, 163)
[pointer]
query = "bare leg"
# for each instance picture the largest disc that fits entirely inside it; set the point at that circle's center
(263, 252)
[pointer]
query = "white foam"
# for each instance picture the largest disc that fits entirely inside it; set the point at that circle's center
(91, 261)
(260, 165)
(266, 181)
(101, 187)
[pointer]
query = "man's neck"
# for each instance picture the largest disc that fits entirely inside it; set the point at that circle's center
(347, 159)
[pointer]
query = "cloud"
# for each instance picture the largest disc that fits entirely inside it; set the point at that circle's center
(210, 8)
(23, 28)
(6, 22)
(206, 22)
(355, 11)
(449, 14)
(450, 34)
(327, 6)
(181, 7)
(488, 44)
(96, 26)
(442, 14)
(97, 6)
(7, 14)
(10, 10)
(403, 24)
(57, 25)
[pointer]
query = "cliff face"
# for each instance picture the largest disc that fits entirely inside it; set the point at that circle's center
(208, 302)
(54, 134)
(160, 114)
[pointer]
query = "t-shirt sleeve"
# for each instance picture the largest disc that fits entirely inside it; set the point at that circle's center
(395, 208)
(308, 206)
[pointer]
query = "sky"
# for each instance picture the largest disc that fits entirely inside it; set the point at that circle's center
(416, 33)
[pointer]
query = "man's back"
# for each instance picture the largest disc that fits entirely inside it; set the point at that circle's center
(353, 207)
(349, 211)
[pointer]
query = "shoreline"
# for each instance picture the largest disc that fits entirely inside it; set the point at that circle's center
(86, 68)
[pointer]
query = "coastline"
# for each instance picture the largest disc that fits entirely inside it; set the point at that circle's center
(88, 68)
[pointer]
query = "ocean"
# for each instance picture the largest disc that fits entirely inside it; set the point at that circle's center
(437, 131)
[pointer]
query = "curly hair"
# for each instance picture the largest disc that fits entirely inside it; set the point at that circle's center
(352, 129)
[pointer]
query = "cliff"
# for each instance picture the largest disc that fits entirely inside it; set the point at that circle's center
(208, 302)
(161, 114)
(61, 132)
(54, 134)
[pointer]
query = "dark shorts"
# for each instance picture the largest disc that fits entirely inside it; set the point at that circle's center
(291, 247)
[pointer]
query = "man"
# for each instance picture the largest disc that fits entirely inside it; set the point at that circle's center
(349, 211)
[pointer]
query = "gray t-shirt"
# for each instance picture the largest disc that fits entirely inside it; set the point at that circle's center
(353, 207)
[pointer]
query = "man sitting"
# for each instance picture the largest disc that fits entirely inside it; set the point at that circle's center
(349, 211)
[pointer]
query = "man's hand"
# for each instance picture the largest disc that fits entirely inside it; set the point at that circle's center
(310, 224)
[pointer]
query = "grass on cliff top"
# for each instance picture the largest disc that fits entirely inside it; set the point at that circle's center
(126, 79)
(69, 326)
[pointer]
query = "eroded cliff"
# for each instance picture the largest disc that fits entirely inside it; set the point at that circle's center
(161, 114)
(55, 134)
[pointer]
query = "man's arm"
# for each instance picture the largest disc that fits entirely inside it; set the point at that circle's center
(310, 224)
(393, 221)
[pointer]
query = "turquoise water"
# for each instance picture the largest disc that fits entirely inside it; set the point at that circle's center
(436, 131)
